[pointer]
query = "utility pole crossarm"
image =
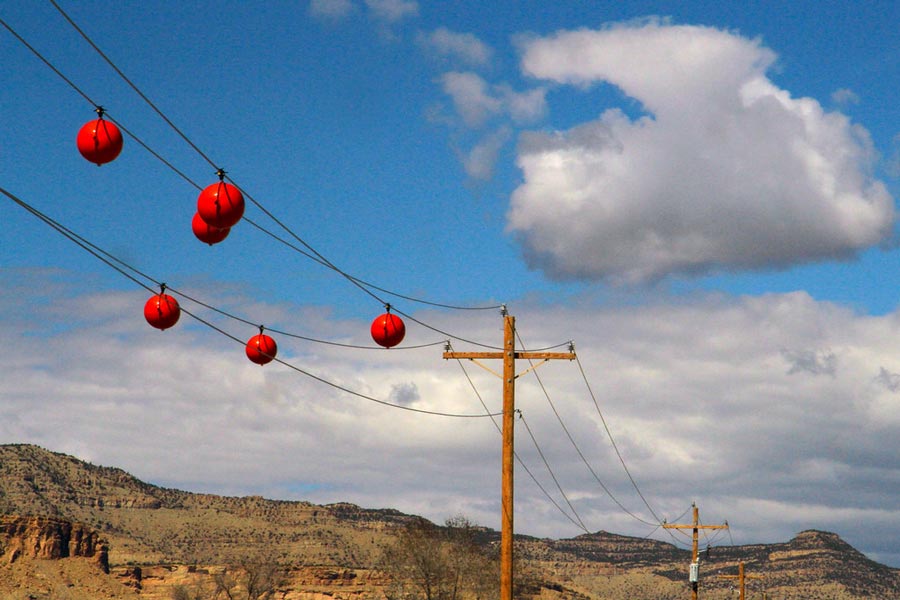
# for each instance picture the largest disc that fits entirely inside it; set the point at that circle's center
(691, 526)
(695, 539)
(741, 577)
(516, 355)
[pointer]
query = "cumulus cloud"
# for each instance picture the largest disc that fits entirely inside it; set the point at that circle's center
(464, 47)
(724, 171)
(696, 394)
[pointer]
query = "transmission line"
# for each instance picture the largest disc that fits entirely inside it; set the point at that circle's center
(581, 454)
(122, 268)
(519, 460)
(550, 470)
(364, 286)
(613, 442)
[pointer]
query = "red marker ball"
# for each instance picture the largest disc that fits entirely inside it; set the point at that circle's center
(99, 141)
(162, 311)
(221, 205)
(388, 330)
(261, 349)
(206, 233)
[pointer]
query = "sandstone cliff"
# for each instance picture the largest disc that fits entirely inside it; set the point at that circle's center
(49, 538)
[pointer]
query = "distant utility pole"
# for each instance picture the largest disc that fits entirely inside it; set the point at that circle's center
(741, 576)
(509, 356)
(694, 576)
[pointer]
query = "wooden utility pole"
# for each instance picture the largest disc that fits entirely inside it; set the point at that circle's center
(509, 356)
(741, 576)
(694, 577)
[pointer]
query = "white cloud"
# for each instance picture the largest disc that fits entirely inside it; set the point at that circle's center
(459, 46)
(472, 97)
(703, 399)
(476, 101)
(524, 107)
(844, 97)
(480, 161)
(726, 172)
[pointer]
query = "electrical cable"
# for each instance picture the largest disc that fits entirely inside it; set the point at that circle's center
(578, 450)
(367, 284)
(48, 63)
(321, 259)
(675, 520)
(315, 256)
(356, 281)
(613, 441)
(132, 85)
(296, 335)
(647, 537)
(75, 238)
(518, 459)
(102, 255)
(364, 286)
(549, 470)
(340, 387)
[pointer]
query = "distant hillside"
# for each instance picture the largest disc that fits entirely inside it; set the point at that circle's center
(146, 524)
(333, 548)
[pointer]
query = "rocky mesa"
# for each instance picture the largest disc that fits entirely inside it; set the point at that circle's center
(111, 535)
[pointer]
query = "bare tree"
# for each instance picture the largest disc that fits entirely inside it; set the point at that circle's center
(192, 592)
(250, 579)
(256, 579)
(428, 562)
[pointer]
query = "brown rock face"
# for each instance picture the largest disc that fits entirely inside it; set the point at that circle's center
(49, 538)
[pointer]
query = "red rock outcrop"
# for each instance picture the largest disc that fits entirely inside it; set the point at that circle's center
(49, 538)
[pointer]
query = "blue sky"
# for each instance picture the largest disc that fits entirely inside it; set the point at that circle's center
(700, 195)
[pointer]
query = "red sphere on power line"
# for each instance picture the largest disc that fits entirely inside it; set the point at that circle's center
(261, 349)
(388, 330)
(162, 311)
(221, 205)
(207, 233)
(99, 141)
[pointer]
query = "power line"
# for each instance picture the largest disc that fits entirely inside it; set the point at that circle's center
(48, 63)
(550, 470)
(313, 254)
(518, 458)
(132, 85)
(364, 286)
(581, 454)
(122, 268)
(613, 441)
